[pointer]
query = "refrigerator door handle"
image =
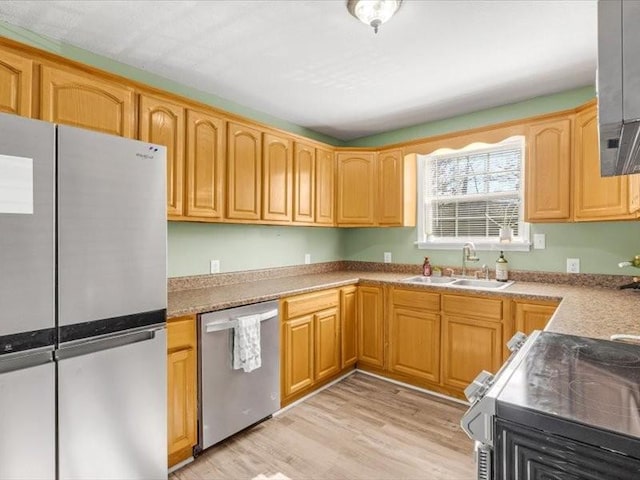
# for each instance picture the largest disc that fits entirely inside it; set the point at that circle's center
(96, 345)
(18, 362)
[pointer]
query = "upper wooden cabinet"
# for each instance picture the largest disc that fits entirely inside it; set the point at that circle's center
(396, 204)
(595, 197)
(205, 165)
(244, 172)
(304, 162)
(325, 187)
(548, 171)
(371, 342)
(357, 188)
(16, 77)
(73, 97)
(277, 176)
(163, 122)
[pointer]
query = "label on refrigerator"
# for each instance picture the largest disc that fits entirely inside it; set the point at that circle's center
(16, 184)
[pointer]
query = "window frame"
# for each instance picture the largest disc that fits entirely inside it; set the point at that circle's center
(521, 243)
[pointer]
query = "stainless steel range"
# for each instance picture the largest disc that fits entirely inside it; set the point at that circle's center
(562, 407)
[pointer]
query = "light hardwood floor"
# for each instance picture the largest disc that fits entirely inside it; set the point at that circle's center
(360, 428)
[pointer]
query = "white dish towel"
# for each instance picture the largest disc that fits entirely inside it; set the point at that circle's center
(246, 343)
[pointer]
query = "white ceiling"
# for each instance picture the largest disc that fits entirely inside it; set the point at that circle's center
(313, 64)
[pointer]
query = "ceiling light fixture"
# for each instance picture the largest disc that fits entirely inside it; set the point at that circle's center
(373, 12)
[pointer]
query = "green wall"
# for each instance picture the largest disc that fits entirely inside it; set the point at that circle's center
(245, 247)
(84, 56)
(599, 246)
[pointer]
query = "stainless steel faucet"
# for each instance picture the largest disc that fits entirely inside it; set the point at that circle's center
(468, 255)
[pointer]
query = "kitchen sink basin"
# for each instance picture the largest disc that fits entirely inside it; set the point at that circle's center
(471, 283)
(429, 280)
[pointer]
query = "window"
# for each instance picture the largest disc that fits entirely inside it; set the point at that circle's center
(470, 194)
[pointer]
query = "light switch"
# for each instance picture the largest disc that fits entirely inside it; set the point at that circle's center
(539, 241)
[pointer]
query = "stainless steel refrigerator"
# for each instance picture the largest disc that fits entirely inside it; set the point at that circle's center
(82, 304)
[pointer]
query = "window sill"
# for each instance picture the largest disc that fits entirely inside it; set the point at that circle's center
(480, 245)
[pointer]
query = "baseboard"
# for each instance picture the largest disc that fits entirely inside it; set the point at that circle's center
(315, 392)
(179, 465)
(413, 387)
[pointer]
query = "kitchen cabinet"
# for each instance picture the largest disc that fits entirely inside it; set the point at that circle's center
(357, 188)
(73, 97)
(277, 169)
(396, 202)
(595, 197)
(16, 77)
(548, 171)
(325, 187)
(471, 338)
(163, 122)
(205, 165)
(244, 172)
(348, 322)
(311, 345)
(529, 316)
(414, 334)
(371, 341)
(182, 383)
(304, 162)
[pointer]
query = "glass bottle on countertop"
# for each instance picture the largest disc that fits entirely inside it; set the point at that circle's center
(502, 268)
(426, 267)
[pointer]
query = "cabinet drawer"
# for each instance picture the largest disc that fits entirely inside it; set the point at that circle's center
(181, 332)
(309, 303)
(416, 299)
(490, 308)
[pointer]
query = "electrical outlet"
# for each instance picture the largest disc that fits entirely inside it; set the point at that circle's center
(573, 265)
(539, 241)
(307, 258)
(215, 266)
(387, 257)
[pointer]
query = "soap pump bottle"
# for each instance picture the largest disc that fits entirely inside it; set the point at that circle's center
(502, 268)
(426, 267)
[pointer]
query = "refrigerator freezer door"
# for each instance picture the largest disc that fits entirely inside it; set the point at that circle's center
(27, 420)
(112, 226)
(27, 266)
(112, 410)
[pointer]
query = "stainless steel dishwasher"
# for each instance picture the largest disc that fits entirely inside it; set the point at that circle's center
(231, 400)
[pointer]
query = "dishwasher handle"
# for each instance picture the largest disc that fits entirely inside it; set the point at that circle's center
(221, 325)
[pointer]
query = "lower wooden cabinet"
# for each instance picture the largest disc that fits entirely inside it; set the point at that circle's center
(348, 322)
(530, 316)
(311, 342)
(182, 381)
(370, 326)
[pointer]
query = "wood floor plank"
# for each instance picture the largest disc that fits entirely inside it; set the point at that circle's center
(360, 428)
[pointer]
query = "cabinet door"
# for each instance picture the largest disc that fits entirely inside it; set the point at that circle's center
(205, 165)
(244, 174)
(16, 75)
(304, 161)
(595, 197)
(297, 371)
(277, 166)
(327, 343)
(162, 122)
(390, 187)
(370, 326)
(325, 187)
(414, 343)
(182, 388)
(548, 171)
(530, 316)
(469, 346)
(357, 188)
(82, 100)
(349, 339)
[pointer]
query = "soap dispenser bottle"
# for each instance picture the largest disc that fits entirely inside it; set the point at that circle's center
(426, 267)
(502, 268)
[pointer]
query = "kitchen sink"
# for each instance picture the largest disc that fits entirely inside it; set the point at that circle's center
(429, 280)
(471, 283)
